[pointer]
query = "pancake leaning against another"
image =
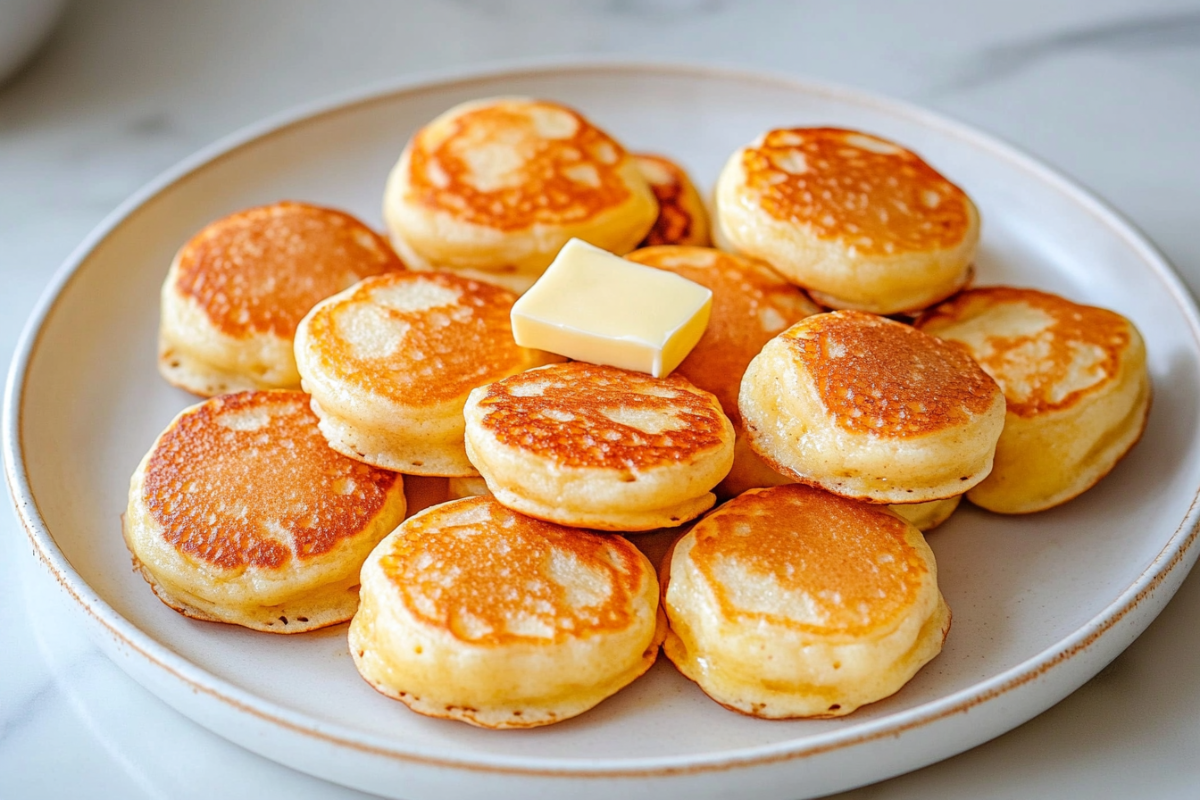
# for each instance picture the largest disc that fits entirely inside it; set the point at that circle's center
(859, 221)
(241, 513)
(473, 612)
(237, 290)
(751, 304)
(389, 363)
(927, 516)
(682, 217)
(599, 447)
(1076, 383)
(871, 409)
(793, 602)
(459, 488)
(496, 187)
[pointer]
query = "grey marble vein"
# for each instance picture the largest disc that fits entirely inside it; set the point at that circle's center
(19, 712)
(1137, 34)
(645, 9)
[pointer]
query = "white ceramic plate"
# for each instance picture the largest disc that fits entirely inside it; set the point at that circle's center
(1040, 603)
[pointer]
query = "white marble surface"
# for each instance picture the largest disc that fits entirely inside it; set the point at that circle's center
(1106, 90)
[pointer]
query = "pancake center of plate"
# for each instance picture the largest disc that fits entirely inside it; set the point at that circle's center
(804, 559)
(490, 576)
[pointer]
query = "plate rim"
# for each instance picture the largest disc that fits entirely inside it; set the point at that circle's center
(1174, 553)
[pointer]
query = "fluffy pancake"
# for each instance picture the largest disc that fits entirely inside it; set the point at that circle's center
(751, 304)
(859, 221)
(459, 488)
(1076, 383)
(927, 516)
(389, 363)
(792, 602)
(241, 513)
(682, 217)
(496, 187)
(599, 447)
(873, 409)
(237, 290)
(473, 612)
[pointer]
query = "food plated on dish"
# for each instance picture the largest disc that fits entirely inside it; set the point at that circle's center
(835, 435)
(1041, 601)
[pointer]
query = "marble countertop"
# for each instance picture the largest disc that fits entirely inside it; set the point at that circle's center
(1108, 91)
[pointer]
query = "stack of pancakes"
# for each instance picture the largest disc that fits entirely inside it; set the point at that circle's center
(835, 437)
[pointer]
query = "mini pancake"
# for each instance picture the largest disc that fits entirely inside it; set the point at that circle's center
(751, 472)
(241, 513)
(792, 602)
(1076, 383)
(927, 516)
(237, 290)
(871, 409)
(859, 221)
(389, 363)
(475, 613)
(599, 447)
(458, 488)
(682, 217)
(496, 187)
(751, 305)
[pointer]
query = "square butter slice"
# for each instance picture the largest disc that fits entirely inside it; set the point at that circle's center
(593, 306)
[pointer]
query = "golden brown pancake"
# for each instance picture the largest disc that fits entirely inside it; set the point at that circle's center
(682, 217)
(498, 186)
(861, 222)
(238, 289)
(458, 488)
(1076, 383)
(599, 447)
(873, 409)
(793, 602)
(389, 363)
(751, 305)
(476, 613)
(241, 513)
(927, 516)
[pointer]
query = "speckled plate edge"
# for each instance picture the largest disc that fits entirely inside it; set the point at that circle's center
(1111, 630)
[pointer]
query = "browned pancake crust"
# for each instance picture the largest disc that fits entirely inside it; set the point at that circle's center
(814, 543)
(838, 184)
(880, 377)
(566, 423)
(564, 180)
(751, 304)
(460, 578)
(247, 480)
(445, 352)
(1073, 328)
(261, 270)
(676, 223)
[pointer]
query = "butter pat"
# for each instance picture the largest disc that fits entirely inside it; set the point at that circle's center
(590, 305)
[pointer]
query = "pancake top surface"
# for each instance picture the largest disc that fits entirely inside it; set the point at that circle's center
(262, 269)
(870, 194)
(879, 377)
(418, 338)
(584, 415)
(509, 164)
(1046, 352)
(247, 480)
(802, 558)
(751, 305)
(676, 222)
(490, 576)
